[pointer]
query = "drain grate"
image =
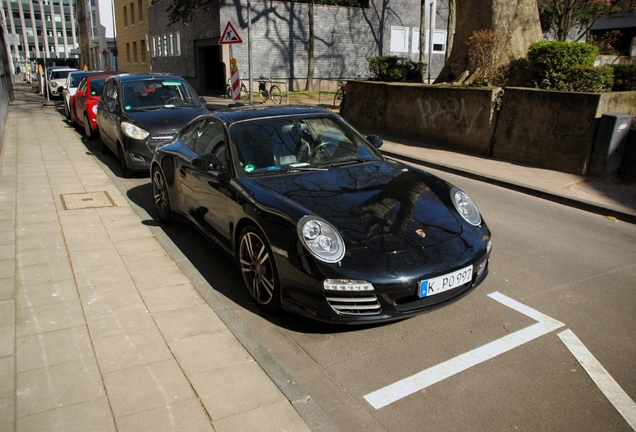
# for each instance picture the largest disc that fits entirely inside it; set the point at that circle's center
(87, 200)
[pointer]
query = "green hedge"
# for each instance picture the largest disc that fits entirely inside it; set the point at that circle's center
(396, 69)
(552, 63)
(624, 77)
(589, 79)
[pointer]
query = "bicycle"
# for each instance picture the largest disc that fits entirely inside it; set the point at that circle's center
(340, 94)
(273, 93)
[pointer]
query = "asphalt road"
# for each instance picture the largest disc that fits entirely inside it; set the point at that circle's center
(575, 268)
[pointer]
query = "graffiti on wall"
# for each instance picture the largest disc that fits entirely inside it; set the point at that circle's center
(450, 113)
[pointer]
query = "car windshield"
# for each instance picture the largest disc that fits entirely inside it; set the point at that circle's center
(55, 74)
(76, 78)
(153, 94)
(297, 143)
(97, 85)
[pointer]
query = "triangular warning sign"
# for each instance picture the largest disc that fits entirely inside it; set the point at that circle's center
(230, 36)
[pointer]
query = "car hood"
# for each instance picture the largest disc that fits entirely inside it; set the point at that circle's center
(165, 120)
(386, 206)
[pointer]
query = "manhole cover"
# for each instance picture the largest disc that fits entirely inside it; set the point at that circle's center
(87, 200)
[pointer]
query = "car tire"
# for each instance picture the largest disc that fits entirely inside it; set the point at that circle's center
(161, 197)
(87, 128)
(258, 267)
(126, 171)
(67, 112)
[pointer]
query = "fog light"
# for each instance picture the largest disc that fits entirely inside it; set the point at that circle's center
(347, 285)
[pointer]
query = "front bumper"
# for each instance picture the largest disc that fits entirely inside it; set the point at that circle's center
(139, 152)
(390, 300)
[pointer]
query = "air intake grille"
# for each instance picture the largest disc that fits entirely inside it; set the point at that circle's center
(347, 304)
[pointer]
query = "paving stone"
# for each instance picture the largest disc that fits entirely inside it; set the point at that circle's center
(188, 322)
(47, 293)
(171, 298)
(163, 271)
(7, 312)
(209, 352)
(51, 348)
(48, 388)
(130, 349)
(7, 340)
(94, 416)
(146, 387)
(182, 416)
(42, 273)
(232, 390)
(7, 288)
(46, 318)
(279, 417)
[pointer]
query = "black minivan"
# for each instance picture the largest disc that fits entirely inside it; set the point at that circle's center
(136, 113)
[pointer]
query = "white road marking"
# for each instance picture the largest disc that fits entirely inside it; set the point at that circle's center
(610, 388)
(394, 392)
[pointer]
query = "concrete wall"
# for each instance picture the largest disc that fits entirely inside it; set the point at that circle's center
(546, 129)
(455, 117)
(554, 130)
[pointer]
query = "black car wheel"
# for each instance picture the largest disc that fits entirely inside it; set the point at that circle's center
(127, 172)
(87, 128)
(161, 196)
(259, 271)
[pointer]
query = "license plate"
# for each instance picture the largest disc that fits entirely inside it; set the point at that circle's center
(446, 282)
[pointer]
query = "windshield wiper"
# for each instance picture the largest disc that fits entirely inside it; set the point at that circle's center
(347, 162)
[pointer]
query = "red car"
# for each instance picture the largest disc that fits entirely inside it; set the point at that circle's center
(84, 103)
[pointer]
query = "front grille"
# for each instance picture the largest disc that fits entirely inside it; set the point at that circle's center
(348, 304)
(162, 138)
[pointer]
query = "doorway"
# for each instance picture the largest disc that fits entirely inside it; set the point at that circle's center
(211, 71)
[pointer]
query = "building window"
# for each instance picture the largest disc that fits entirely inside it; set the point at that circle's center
(164, 51)
(125, 17)
(439, 41)
(142, 45)
(132, 14)
(399, 39)
(171, 44)
(128, 53)
(134, 48)
(177, 45)
(140, 11)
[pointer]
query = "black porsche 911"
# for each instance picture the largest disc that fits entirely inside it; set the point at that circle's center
(318, 220)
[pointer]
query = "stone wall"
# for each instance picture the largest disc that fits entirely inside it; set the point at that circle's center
(546, 129)
(456, 117)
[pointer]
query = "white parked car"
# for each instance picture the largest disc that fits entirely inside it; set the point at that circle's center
(57, 80)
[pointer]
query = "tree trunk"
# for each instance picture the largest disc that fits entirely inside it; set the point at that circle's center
(519, 17)
(450, 30)
(310, 51)
(84, 37)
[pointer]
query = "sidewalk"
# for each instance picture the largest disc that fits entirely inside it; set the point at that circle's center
(92, 338)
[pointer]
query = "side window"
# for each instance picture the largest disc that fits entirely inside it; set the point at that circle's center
(82, 85)
(211, 139)
(190, 134)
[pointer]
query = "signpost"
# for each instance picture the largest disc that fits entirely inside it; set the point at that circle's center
(229, 37)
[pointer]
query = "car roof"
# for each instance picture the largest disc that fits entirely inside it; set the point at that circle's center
(137, 77)
(235, 114)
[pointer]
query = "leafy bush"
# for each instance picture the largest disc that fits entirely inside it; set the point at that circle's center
(552, 61)
(589, 79)
(396, 69)
(624, 77)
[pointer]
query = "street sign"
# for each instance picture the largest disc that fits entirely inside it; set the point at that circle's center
(230, 36)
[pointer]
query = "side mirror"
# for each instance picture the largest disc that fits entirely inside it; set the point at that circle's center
(111, 106)
(375, 141)
(208, 162)
(80, 93)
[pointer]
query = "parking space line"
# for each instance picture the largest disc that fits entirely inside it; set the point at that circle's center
(394, 392)
(608, 385)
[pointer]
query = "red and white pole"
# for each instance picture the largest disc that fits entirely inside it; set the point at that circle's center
(235, 80)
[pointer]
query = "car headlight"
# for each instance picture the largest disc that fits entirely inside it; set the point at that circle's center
(133, 131)
(321, 239)
(53, 84)
(94, 109)
(465, 206)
